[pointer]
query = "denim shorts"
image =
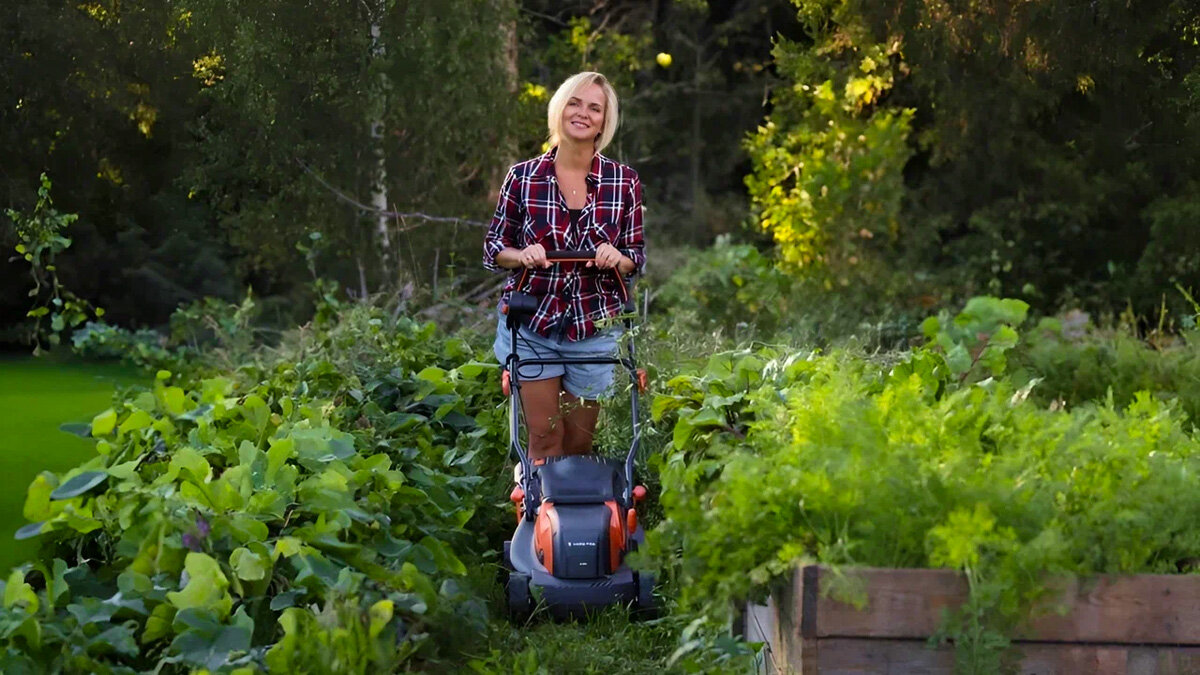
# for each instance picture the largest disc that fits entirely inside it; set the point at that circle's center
(584, 380)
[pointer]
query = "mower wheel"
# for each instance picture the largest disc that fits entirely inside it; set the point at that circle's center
(518, 600)
(646, 606)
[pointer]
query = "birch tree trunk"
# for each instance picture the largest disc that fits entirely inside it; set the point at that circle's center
(376, 111)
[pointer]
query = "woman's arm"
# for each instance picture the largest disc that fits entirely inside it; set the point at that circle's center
(503, 233)
(629, 240)
(533, 255)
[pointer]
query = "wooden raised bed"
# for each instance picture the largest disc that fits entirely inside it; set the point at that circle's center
(1145, 624)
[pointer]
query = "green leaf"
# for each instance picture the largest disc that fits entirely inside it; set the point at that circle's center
(124, 470)
(443, 556)
(117, 639)
(247, 529)
(104, 423)
(248, 565)
(92, 611)
(286, 599)
(418, 583)
(474, 369)
(79, 485)
(134, 584)
(458, 421)
(205, 587)
(708, 417)
(322, 445)
(174, 400)
(682, 433)
(191, 465)
(57, 588)
(17, 593)
(206, 643)
(158, 626)
(29, 531)
(1004, 338)
(137, 420)
(77, 429)
(287, 547)
(281, 450)
(433, 374)
(37, 498)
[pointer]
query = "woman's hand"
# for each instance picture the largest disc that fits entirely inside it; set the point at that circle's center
(607, 257)
(534, 256)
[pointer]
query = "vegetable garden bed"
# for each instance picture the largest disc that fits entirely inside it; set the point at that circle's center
(1108, 624)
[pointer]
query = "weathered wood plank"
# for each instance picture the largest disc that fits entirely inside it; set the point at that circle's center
(908, 603)
(901, 603)
(1132, 609)
(858, 656)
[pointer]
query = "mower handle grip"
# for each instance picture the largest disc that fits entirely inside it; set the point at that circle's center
(578, 255)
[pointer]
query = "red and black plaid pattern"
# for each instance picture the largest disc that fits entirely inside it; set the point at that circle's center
(531, 209)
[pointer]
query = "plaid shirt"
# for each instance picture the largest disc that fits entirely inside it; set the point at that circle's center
(531, 209)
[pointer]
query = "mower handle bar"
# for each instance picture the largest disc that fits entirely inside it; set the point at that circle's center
(572, 255)
(578, 256)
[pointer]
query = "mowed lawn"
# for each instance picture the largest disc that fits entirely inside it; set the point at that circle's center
(36, 396)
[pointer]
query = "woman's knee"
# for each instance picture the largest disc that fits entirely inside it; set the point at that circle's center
(545, 432)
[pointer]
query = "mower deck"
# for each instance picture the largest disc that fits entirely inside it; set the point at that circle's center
(571, 597)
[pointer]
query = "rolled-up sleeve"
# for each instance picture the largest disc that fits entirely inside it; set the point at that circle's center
(630, 242)
(506, 222)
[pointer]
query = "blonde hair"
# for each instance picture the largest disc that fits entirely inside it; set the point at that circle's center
(569, 88)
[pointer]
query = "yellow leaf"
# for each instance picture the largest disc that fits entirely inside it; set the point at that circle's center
(381, 614)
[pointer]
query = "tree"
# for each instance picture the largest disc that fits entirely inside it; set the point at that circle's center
(293, 144)
(92, 95)
(827, 181)
(1034, 157)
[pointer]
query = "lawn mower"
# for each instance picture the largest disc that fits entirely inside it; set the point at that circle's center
(576, 515)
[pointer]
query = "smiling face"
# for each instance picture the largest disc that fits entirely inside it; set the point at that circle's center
(583, 116)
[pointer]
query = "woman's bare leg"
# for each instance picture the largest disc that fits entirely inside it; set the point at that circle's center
(579, 422)
(543, 419)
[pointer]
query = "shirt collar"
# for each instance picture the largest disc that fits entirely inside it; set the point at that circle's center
(545, 166)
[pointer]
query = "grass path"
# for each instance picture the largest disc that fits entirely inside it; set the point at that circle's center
(37, 395)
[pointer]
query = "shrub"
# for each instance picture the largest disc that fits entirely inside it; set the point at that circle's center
(728, 285)
(306, 512)
(736, 289)
(1074, 362)
(847, 459)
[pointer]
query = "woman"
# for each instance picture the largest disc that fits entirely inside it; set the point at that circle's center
(570, 198)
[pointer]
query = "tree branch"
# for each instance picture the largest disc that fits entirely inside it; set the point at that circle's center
(391, 213)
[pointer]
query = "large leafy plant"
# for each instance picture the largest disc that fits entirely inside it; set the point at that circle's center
(847, 459)
(307, 513)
